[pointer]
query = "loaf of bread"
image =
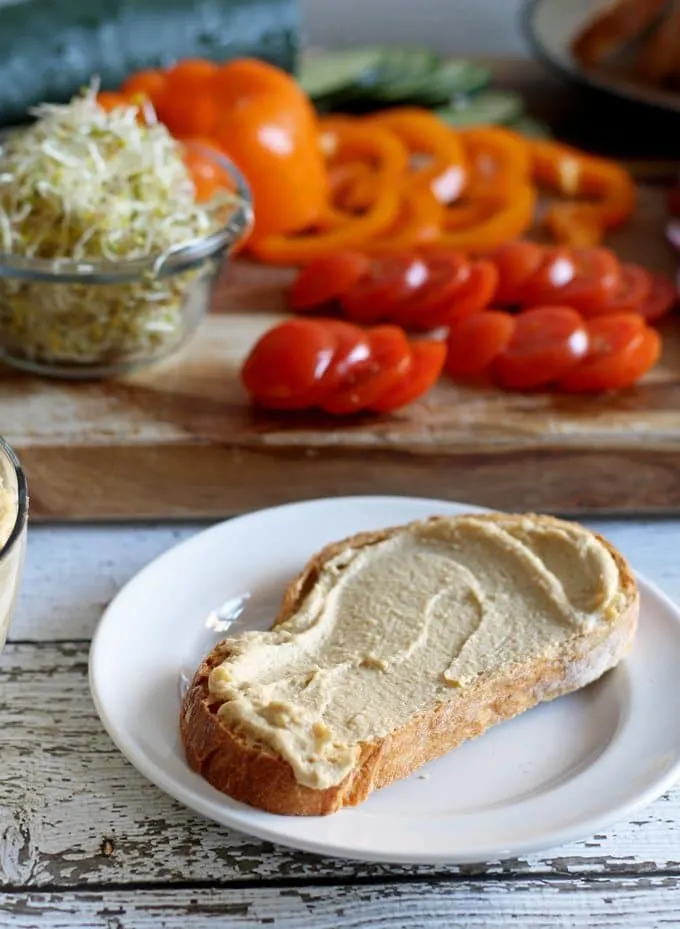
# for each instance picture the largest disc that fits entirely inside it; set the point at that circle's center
(393, 647)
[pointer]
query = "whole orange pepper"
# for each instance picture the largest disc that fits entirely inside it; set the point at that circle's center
(424, 134)
(608, 187)
(268, 128)
(511, 219)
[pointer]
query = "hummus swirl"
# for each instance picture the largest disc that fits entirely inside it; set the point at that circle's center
(398, 627)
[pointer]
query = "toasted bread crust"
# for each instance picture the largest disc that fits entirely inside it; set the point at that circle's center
(253, 774)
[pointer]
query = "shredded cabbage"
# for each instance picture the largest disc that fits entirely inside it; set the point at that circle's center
(84, 185)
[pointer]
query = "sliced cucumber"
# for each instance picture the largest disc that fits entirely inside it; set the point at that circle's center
(490, 107)
(453, 79)
(327, 73)
(533, 128)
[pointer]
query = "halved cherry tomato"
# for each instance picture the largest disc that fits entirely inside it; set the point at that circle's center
(556, 269)
(427, 361)
(474, 343)
(621, 350)
(634, 287)
(288, 361)
(391, 279)
(150, 84)
(660, 300)
(367, 382)
(515, 262)
(446, 271)
(327, 278)
(597, 276)
(546, 344)
(475, 294)
(353, 347)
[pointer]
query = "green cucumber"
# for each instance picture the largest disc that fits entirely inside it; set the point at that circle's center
(454, 78)
(50, 49)
(331, 73)
(487, 108)
(530, 127)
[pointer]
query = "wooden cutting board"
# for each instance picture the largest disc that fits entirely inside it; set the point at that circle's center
(181, 441)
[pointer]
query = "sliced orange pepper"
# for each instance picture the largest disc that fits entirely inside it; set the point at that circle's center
(470, 212)
(610, 190)
(355, 233)
(420, 220)
(498, 159)
(424, 134)
(575, 224)
(348, 140)
(510, 220)
(344, 179)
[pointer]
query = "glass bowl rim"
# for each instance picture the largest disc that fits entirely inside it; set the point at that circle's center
(180, 258)
(8, 452)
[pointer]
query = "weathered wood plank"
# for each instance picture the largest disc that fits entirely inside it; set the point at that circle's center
(73, 572)
(619, 904)
(74, 813)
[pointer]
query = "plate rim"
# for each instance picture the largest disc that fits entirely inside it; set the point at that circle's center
(655, 100)
(236, 819)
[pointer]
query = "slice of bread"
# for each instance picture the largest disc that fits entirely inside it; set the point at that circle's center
(393, 647)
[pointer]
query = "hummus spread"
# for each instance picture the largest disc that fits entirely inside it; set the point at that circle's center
(395, 628)
(11, 561)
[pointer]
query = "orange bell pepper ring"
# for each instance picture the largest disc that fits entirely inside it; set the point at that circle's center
(268, 128)
(419, 221)
(348, 140)
(424, 134)
(509, 220)
(608, 187)
(356, 233)
(498, 160)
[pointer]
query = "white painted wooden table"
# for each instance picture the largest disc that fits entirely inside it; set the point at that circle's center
(85, 841)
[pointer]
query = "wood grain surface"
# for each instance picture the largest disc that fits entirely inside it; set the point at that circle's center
(181, 441)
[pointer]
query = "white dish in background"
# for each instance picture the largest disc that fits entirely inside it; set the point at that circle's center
(558, 773)
(551, 25)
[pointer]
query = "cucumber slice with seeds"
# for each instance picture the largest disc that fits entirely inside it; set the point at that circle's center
(490, 107)
(332, 72)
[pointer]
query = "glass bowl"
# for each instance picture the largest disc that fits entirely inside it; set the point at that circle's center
(81, 319)
(13, 523)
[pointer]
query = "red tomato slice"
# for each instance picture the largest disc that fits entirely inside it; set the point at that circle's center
(427, 361)
(446, 272)
(543, 287)
(546, 343)
(622, 348)
(326, 279)
(515, 262)
(392, 278)
(660, 300)
(472, 296)
(474, 343)
(353, 348)
(288, 361)
(366, 382)
(634, 287)
(596, 279)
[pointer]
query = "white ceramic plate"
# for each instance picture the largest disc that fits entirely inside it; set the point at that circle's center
(558, 773)
(552, 24)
